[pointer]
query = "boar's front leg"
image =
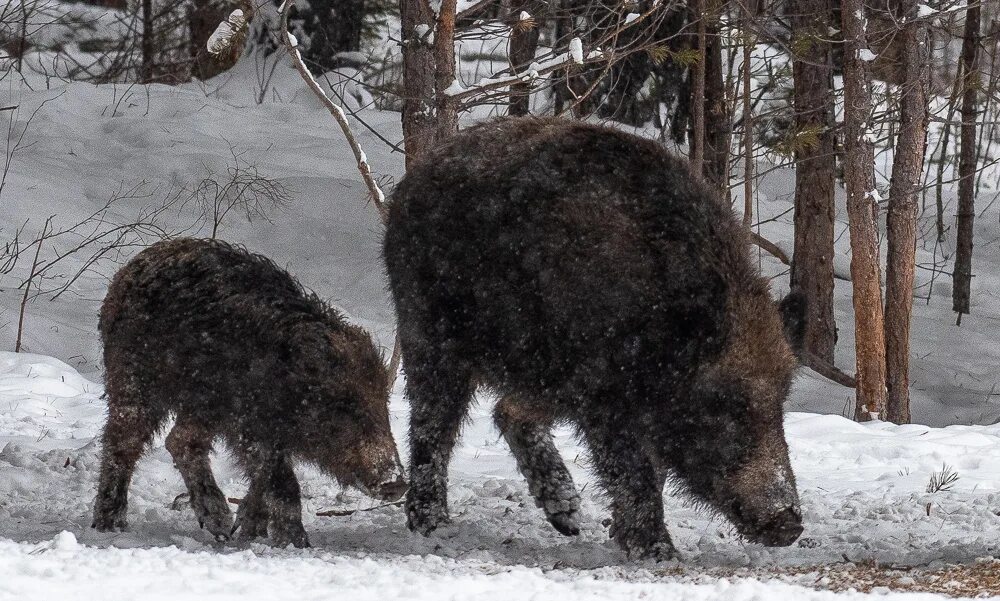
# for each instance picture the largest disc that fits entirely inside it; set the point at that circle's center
(129, 429)
(636, 490)
(189, 444)
(529, 437)
(284, 502)
(439, 389)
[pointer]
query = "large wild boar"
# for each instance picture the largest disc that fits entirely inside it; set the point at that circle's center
(589, 277)
(235, 348)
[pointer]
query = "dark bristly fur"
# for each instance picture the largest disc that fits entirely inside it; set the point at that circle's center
(236, 348)
(588, 276)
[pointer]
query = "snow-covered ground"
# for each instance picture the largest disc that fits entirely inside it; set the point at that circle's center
(863, 487)
(863, 492)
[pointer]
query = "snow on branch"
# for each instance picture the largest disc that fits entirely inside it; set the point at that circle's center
(377, 196)
(534, 71)
(574, 56)
(226, 33)
(291, 44)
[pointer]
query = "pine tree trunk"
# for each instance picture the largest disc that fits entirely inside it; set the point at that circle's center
(417, 23)
(862, 213)
(815, 173)
(907, 169)
(523, 44)
(967, 163)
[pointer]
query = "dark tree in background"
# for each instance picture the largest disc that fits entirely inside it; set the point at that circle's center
(815, 170)
(203, 17)
(638, 86)
(327, 30)
(718, 127)
(967, 162)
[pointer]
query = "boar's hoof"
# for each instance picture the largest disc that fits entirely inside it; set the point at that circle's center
(249, 529)
(284, 534)
(661, 551)
(110, 523)
(424, 519)
(565, 523)
(642, 544)
(220, 529)
(218, 521)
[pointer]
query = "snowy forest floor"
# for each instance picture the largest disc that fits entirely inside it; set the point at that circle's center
(870, 522)
(871, 525)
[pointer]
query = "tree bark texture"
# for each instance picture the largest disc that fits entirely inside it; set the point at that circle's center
(862, 212)
(907, 169)
(967, 160)
(815, 172)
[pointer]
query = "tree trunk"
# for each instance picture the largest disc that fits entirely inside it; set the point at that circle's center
(967, 163)
(749, 41)
(446, 109)
(815, 173)
(862, 213)
(717, 123)
(148, 44)
(907, 169)
(417, 24)
(697, 151)
(523, 44)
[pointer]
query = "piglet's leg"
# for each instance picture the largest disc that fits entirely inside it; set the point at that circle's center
(529, 437)
(273, 504)
(635, 488)
(190, 444)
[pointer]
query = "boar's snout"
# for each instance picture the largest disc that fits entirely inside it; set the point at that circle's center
(764, 504)
(382, 476)
(781, 531)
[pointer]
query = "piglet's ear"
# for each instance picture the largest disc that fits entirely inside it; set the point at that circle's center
(793, 319)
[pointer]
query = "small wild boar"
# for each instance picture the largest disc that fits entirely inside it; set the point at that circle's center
(589, 277)
(235, 348)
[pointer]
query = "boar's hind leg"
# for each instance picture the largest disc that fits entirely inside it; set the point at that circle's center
(529, 437)
(439, 389)
(636, 491)
(130, 427)
(252, 515)
(273, 504)
(189, 444)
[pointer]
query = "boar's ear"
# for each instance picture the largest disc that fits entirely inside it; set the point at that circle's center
(793, 319)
